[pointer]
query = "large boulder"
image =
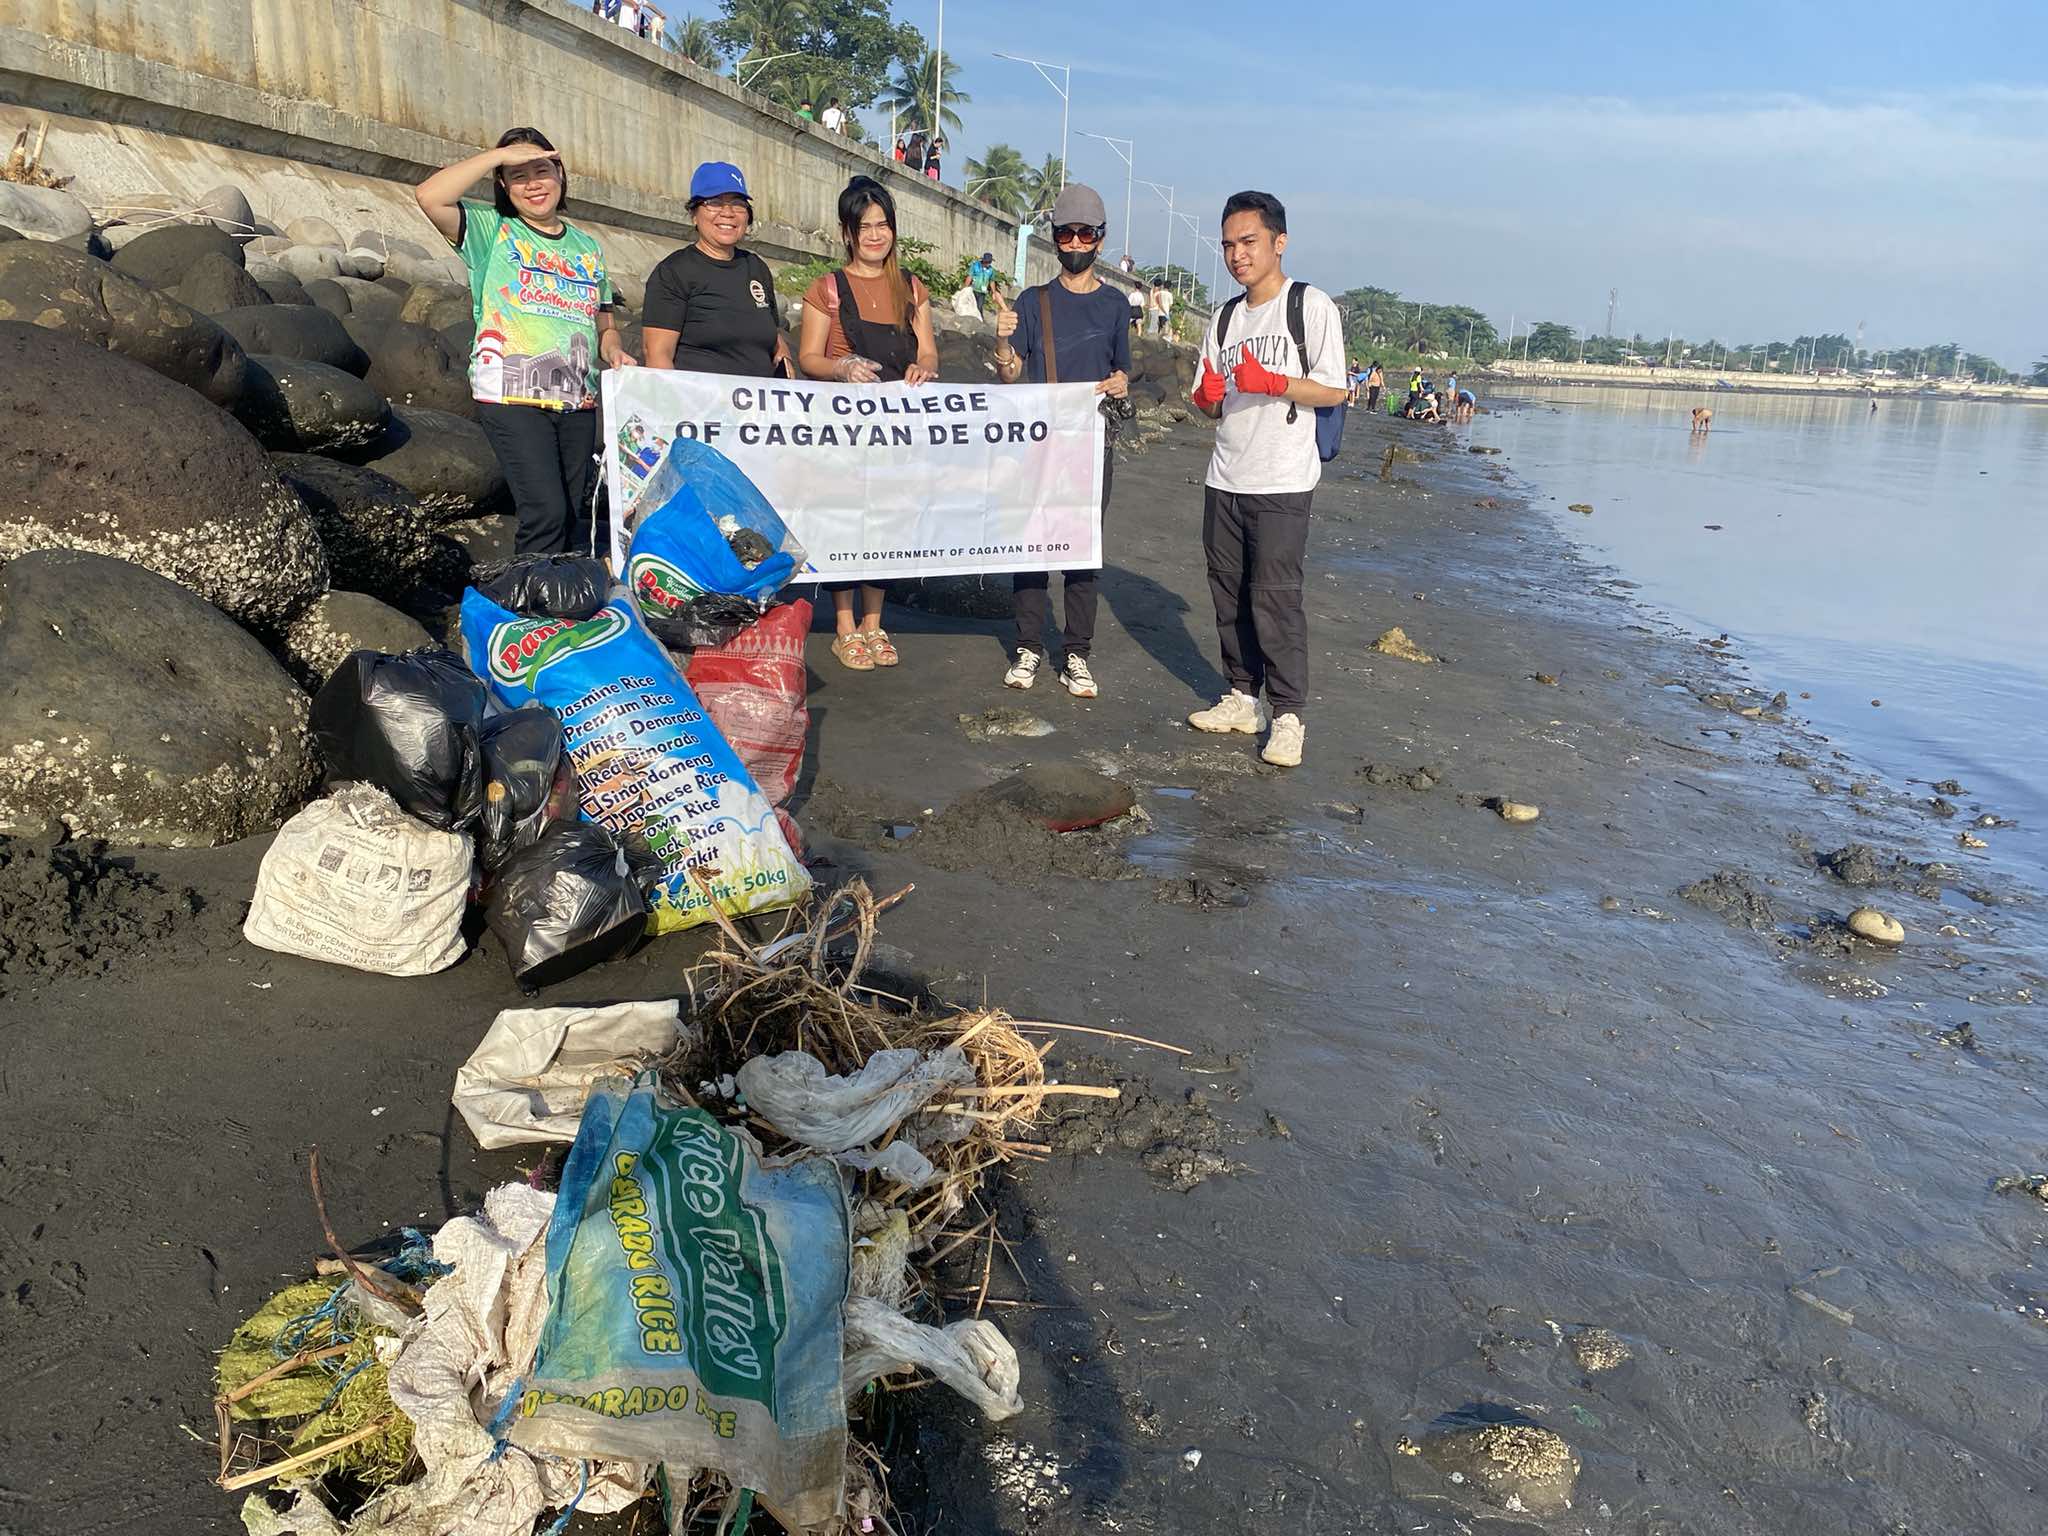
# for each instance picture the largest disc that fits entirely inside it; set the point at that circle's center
(134, 711)
(370, 301)
(313, 232)
(435, 304)
(296, 406)
(214, 284)
(378, 538)
(226, 208)
(965, 359)
(387, 246)
(162, 256)
(411, 365)
(329, 295)
(295, 330)
(446, 461)
(43, 213)
(367, 265)
(278, 285)
(98, 453)
(444, 267)
(80, 296)
(307, 262)
(322, 637)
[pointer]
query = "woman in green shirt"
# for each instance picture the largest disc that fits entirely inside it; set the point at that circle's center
(542, 302)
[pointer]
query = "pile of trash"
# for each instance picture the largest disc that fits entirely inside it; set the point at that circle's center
(760, 1177)
(562, 768)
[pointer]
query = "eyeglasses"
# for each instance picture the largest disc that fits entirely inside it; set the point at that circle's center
(1078, 234)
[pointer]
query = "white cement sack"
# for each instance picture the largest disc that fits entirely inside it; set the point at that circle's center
(534, 1067)
(354, 881)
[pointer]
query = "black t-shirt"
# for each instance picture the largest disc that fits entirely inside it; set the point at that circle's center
(1091, 333)
(724, 311)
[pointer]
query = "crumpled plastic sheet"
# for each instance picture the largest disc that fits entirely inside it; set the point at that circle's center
(528, 1077)
(794, 1093)
(972, 1356)
(482, 1324)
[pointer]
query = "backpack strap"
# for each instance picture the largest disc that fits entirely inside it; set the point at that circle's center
(1230, 307)
(1045, 347)
(1297, 327)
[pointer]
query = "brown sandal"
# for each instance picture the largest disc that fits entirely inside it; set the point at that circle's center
(881, 648)
(852, 651)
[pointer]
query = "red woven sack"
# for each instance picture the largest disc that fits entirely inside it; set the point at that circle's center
(754, 689)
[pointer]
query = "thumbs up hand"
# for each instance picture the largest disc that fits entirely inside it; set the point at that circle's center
(1006, 317)
(1209, 392)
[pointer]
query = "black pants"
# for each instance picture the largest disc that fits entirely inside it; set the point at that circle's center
(546, 456)
(1254, 547)
(1079, 592)
(1372, 400)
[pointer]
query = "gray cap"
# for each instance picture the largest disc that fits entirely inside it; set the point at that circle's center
(1079, 205)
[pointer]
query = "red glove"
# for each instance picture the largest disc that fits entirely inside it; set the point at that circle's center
(1209, 392)
(1254, 378)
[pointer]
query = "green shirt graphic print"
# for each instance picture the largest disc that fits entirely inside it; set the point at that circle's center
(535, 299)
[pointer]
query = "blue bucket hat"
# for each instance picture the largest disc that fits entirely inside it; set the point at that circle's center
(716, 178)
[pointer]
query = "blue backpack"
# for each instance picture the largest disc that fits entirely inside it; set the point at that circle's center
(1329, 418)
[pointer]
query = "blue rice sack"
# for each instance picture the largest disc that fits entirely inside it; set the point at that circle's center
(649, 761)
(694, 1305)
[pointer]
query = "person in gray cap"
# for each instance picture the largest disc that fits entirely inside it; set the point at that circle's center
(1069, 331)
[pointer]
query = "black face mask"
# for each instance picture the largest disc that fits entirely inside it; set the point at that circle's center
(1077, 262)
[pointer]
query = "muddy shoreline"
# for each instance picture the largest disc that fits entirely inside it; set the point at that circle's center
(1462, 1092)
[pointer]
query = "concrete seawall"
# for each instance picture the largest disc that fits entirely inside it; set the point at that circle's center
(156, 99)
(1703, 380)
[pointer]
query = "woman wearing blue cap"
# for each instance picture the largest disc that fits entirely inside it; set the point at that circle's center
(711, 306)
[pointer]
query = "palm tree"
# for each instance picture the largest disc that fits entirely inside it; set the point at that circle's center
(1041, 186)
(791, 88)
(694, 41)
(754, 29)
(999, 177)
(909, 94)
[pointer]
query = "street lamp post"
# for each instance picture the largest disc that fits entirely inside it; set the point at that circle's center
(1066, 91)
(1168, 194)
(759, 65)
(1124, 148)
(939, 72)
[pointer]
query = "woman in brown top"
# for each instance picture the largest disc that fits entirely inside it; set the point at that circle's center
(866, 323)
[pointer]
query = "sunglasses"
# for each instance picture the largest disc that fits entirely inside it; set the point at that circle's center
(1078, 234)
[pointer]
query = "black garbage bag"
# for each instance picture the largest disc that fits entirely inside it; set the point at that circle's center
(412, 726)
(695, 623)
(569, 900)
(569, 587)
(529, 781)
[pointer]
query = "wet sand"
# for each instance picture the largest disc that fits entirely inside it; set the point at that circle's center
(1462, 1090)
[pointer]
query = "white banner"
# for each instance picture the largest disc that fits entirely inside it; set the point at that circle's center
(879, 481)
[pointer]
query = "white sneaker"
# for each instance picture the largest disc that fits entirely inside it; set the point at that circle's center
(1023, 671)
(1235, 711)
(1080, 682)
(1283, 747)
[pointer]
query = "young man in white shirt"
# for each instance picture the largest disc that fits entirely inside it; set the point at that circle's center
(1263, 395)
(834, 118)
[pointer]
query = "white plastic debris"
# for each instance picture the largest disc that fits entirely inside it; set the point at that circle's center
(794, 1093)
(534, 1067)
(972, 1357)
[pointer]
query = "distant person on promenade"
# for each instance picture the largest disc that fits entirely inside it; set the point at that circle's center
(914, 152)
(803, 110)
(866, 323)
(931, 158)
(542, 301)
(1139, 300)
(833, 119)
(1375, 386)
(1263, 388)
(711, 306)
(902, 150)
(1162, 307)
(1086, 342)
(1126, 263)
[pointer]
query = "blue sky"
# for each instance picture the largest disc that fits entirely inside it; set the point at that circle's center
(1734, 169)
